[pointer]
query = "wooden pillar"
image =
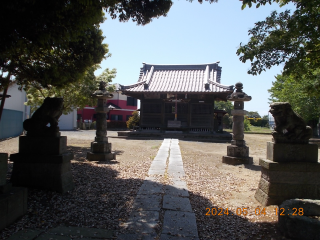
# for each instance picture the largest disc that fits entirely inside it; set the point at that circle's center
(189, 115)
(163, 116)
(141, 113)
(212, 117)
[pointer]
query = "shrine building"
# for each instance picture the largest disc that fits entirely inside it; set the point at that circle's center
(179, 97)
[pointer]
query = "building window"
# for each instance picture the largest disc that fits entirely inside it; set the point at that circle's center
(116, 117)
(128, 116)
(131, 101)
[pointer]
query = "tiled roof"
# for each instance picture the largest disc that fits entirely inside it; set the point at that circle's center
(113, 106)
(179, 78)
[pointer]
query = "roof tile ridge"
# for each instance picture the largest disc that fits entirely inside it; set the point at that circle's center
(149, 75)
(221, 85)
(206, 75)
(132, 85)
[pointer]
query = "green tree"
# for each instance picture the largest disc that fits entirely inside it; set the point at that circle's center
(55, 42)
(227, 121)
(221, 105)
(75, 95)
(246, 125)
(288, 89)
(253, 114)
(133, 120)
(289, 38)
(51, 42)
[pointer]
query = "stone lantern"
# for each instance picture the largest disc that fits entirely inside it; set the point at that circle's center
(100, 148)
(238, 152)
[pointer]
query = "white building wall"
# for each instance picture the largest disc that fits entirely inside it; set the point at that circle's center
(69, 121)
(17, 99)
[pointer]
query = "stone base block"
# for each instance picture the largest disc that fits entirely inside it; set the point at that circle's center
(52, 172)
(267, 200)
(237, 151)
(3, 168)
(13, 205)
(293, 173)
(237, 160)
(101, 139)
(285, 152)
(303, 226)
(42, 145)
(239, 143)
(283, 181)
(100, 147)
(101, 156)
(315, 141)
(5, 188)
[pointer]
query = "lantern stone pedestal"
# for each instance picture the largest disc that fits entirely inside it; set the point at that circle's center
(44, 163)
(13, 200)
(100, 151)
(101, 148)
(238, 152)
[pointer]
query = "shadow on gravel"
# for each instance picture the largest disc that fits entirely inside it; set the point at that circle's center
(80, 153)
(102, 200)
(253, 167)
(215, 222)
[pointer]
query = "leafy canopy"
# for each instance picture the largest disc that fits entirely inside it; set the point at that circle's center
(289, 38)
(75, 95)
(297, 93)
(221, 105)
(55, 42)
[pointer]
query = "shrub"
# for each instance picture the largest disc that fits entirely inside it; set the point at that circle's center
(133, 120)
(246, 124)
(93, 125)
(227, 121)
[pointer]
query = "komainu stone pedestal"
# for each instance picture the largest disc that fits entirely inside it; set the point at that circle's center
(13, 200)
(291, 171)
(101, 151)
(42, 162)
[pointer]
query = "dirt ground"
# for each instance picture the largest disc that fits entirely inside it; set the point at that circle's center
(214, 188)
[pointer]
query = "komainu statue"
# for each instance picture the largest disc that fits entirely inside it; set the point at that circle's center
(289, 126)
(49, 112)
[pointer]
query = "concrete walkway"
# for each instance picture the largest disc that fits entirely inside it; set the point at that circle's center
(163, 211)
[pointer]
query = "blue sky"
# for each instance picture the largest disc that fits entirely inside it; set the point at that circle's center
(192, 33)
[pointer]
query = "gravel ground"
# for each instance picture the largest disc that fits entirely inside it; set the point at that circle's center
(104, 193)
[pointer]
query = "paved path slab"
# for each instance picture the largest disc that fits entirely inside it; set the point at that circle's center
(143, 222)
(179, 221)
(176, 203)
